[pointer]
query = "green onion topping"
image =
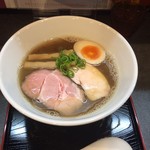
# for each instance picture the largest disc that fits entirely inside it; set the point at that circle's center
(68, 64)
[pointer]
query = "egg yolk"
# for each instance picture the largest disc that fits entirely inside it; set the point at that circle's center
(91, 52)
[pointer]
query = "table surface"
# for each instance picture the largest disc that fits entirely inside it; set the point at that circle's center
(12, 20)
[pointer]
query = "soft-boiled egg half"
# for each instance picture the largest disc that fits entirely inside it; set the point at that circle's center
(92, 52)
(109, 143)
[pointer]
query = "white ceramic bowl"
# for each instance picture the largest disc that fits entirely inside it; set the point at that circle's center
(17, 47)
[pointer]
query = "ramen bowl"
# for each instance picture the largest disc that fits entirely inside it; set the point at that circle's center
(19, 45)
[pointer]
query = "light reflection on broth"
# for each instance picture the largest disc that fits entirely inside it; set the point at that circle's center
(108, 68)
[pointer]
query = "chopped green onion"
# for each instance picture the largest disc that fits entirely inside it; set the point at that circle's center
(63, 69)
(69, 63)
(64, 58)
(70, 73)
(81, 63)
(73, 57)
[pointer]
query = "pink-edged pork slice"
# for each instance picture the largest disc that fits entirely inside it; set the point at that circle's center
(54, 90)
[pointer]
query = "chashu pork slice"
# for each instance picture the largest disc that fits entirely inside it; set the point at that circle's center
(55, 91)
(33, 83)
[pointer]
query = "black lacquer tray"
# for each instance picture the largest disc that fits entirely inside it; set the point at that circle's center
(23, 133)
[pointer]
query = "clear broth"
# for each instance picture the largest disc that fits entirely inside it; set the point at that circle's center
(108, 68)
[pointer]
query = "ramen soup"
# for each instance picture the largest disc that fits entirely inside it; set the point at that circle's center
(68, 76)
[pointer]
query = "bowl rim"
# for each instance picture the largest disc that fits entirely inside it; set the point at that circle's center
(79, 121)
